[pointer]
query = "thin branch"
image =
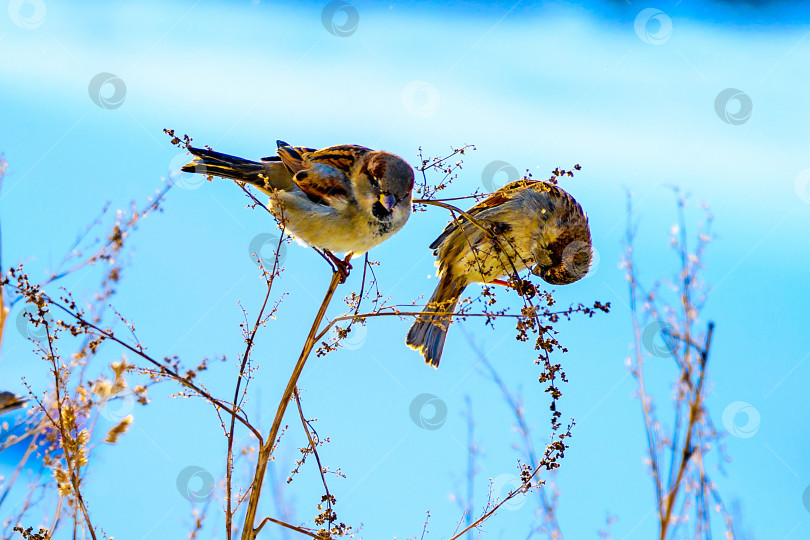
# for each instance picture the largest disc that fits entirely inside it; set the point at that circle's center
(287, 525)
(73, 464)
(242, 375)
(520, 418)
(165, 370)
(313, 445)
(552, 454)
(638, 371)
(471, 451)
(266, 450)
(695, 409)
(3, 308)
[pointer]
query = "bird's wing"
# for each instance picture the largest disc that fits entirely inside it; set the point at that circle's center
(321, 174)
(341, 157)
(498, 198)
(293, 157)
(326, 173)
(322, 184)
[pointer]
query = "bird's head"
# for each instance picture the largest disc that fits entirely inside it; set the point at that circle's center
(383, 185)
(569, 264)
(568, 252)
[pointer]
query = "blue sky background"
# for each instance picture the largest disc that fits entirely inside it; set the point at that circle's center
(536, 86)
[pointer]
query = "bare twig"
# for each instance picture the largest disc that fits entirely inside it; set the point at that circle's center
(692, 432)
(269, 277)
(266, 450)
(287, 525)
(695, 409)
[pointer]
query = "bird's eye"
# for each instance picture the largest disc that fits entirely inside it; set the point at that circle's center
(374, 181)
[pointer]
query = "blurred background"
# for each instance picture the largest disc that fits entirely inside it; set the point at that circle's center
(709, 97)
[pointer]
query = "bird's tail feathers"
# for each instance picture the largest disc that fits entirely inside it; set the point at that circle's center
(428, 333)
(212, 163)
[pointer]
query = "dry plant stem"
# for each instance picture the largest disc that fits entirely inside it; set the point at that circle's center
(548, 507)
(424, 527)
(163, 369)
(491, 512)
(685, 449)
(152, 206)
(537, 465)
(456, 209)
(110, 246)
(470, 461)
(683, 363)
(648, 423)
(70, 460)
(287, 525)
(28, 501)
(266, 450)
(55, 520)
(3, 314)
(492, 236)
(466, 197)
(314, 446)
(32, 446)
(695, 409)
(3, 308)
(400, 314)
(245, 357)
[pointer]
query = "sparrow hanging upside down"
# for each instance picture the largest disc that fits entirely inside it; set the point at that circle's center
(527, 224)
(344, 198)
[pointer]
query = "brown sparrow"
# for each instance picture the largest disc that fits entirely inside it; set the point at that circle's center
(527, 224)
(343, 198)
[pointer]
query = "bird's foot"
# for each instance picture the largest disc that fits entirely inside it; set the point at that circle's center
(342, 266)
(522, 286)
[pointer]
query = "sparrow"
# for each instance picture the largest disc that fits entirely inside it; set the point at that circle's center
(9, 402)
(527, 224)
(344, 198)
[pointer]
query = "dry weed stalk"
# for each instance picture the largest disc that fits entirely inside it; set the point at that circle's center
(58, 428)
(677, 461)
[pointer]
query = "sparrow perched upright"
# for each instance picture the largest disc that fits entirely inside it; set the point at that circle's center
(344, 198)
(528, 224)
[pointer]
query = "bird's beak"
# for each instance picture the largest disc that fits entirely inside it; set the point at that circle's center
(388, 201)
